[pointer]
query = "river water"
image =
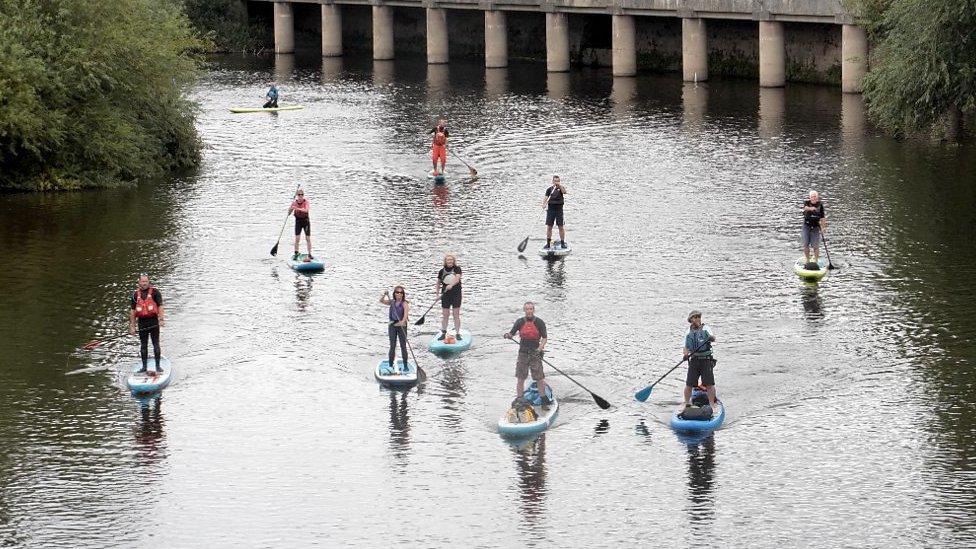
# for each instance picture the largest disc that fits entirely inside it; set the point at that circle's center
(851, 407)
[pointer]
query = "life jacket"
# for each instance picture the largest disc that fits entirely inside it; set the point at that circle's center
(529, 330)
(146, 308)
(440, 138)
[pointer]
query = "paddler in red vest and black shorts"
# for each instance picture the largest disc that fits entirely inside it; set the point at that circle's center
(532, 346)
(147, 312)
(439, 145)
(302, 223)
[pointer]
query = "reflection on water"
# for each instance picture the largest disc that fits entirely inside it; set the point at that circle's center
(812, 303)
(303, 291)
(701, 481)
(284, 67)
(149, 434)
(496, 83)
(694, 101)
(772, 110)
(556, 272)
(602, 427)
(399, 429)
(530, 462)
(558, 85)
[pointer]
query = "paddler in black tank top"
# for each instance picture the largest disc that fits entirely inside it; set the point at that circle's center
(532, 347)
(450, 295)
(553, 204)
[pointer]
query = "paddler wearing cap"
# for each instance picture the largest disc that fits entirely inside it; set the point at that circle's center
(701, 360)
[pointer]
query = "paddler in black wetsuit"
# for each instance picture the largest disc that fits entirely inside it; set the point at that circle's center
(146, 312)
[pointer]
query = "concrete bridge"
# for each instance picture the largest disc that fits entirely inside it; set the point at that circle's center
(778, 39)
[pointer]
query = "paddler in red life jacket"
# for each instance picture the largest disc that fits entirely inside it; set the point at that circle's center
(532, 346)
(439, 145)
(300, 208)
(146, 311)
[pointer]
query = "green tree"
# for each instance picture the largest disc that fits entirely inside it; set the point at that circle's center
(923, 64)
(92, 92)
(225, 23)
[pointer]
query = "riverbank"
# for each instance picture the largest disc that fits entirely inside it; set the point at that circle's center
(94, 93)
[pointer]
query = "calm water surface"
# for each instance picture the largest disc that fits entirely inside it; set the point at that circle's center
(851, 404)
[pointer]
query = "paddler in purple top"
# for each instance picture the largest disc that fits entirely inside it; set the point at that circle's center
(399, 316)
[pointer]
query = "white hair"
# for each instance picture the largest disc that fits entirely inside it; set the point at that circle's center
(813, 192)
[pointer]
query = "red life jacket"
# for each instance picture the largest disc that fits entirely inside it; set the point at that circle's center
(529, 331)
(146, 308)
(440, 138)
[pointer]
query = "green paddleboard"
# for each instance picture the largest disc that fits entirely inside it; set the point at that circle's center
(259, 109)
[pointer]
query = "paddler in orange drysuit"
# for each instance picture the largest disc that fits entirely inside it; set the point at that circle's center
(439, 145)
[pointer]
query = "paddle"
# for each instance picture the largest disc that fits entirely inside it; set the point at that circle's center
(423, 317)
(523, 244)
(474, 172)
(644, 393)
(830, 266)
(600, 401)
(421, 374)
(274, 250)
(96, 342)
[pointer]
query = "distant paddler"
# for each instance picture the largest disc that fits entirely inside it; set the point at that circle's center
(814, 223)
(146, 312)
(272, 96)
(532, 347)
(299, 207)
(439, 145)
(553, 204)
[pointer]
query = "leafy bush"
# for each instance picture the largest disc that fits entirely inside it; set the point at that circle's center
(923, 64)
(91, 92)
(225, 24)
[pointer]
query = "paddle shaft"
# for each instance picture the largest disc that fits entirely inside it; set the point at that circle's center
(601, 402)
(423, 317)
(274, 251)
(699, 348)
(823, 239)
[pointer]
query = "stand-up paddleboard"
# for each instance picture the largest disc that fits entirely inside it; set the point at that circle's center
(238, 110)
(440, 178)
(450, 344)
(388, 376)
(512, 426)
(555, 251)
(141, 383)
(681, 422)
(305, 265)
(801, 270)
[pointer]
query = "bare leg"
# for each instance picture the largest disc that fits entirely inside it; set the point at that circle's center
(806, 252)
(520, 386)
(816, 252)
(298, 239)
(687, 394)
(542, 387)
(445, 314)
(562, 234)
(308, 243)
(457, 320)
(548, 234)
(711, 395)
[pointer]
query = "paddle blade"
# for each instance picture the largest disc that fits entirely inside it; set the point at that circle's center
(643, 394)
(274, 251)
(523, 244)
(599, 401)
(91, 345)
(474, 172)
(420, 320)
(421, 374)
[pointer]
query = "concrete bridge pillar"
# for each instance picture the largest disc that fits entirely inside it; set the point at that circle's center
(772, 54)
(557, 42)
(331, 30)
(382, 33)
(437, 45)
(284, 28)
(496, 39)
(854, 54)
(624, 58)
(694, 49)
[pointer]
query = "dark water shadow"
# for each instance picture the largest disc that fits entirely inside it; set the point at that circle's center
(149, 434)
(530, 462)
(701, 478)
(399, 429)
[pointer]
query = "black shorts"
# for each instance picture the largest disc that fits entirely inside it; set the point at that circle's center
(554, 213)
(452, 298)
(303, 223)
(700, 367)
